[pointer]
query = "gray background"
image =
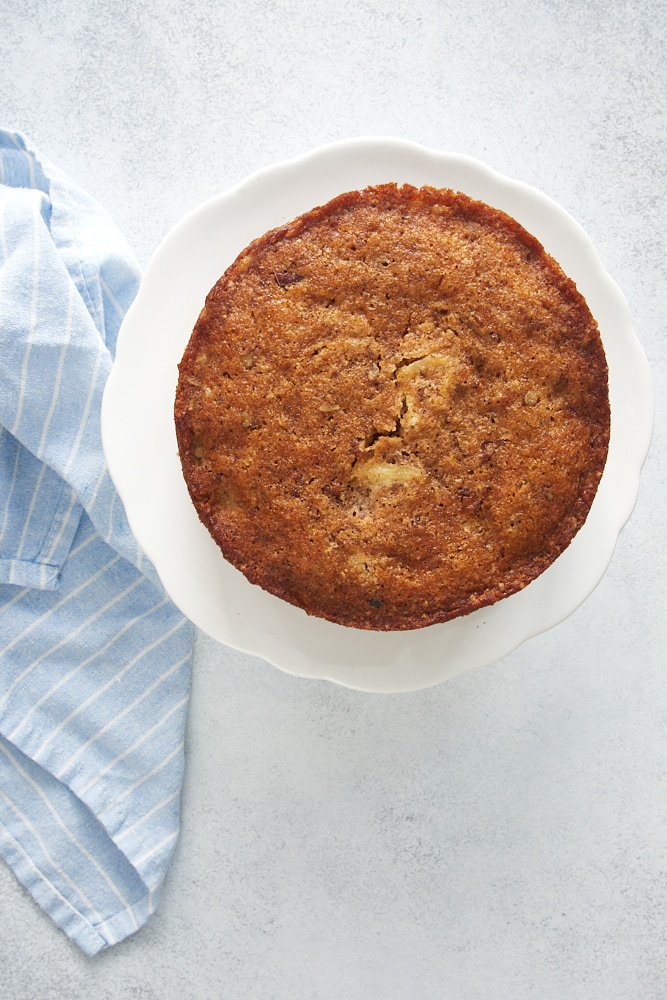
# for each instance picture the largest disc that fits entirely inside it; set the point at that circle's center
(501, 836)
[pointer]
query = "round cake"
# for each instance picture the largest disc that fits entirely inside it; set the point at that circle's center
(393, 410)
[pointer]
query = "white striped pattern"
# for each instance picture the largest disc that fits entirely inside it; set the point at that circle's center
(140, 740)
(95, 659)
(9, 489)
(84, 748)
(57, 382)
(144, 778)
(68, 677)
(67, 833)
(51, 650)
(30, 332)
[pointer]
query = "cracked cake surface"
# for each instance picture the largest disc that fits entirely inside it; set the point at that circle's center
(393, 410)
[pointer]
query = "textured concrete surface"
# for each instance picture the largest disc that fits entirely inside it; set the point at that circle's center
(502, 836)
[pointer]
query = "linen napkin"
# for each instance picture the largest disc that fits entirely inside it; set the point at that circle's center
(95, 661)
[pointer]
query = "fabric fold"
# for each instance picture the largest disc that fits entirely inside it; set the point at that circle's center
(95, 660)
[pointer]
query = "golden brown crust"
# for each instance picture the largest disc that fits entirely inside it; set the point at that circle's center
(394, 410)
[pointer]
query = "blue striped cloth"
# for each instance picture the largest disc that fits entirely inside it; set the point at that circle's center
(95, 661)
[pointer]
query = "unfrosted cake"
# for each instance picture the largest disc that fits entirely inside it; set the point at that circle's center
(393, 410)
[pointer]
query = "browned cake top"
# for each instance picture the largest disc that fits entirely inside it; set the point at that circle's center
(393, 410)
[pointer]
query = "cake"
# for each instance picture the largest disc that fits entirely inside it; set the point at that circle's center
(393, 410)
